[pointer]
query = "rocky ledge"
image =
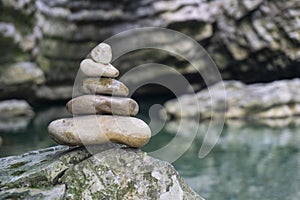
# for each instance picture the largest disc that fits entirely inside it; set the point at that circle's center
(114, 172)
(275, 100)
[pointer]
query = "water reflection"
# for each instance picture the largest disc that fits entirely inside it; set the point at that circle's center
(250, 161)
(15, 125)
(241, 134)
(27, 134)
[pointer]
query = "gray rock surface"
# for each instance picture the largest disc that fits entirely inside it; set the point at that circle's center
(114, 172)
(57, 193)
(17, 44)
(278, 99)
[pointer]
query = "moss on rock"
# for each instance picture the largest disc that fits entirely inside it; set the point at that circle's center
(113, 172)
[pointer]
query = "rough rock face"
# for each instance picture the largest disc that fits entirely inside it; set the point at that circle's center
(17, 38)
(17, 44)
(248, 40)
(278, 99)
(113, 173)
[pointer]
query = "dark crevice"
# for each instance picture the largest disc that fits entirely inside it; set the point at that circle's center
(56, 179)
(71, 149)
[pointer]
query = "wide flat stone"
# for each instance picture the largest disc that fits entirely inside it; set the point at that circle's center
(98, 129)
(93, 69)
(102, 53)
(98, 104)
(104, 86)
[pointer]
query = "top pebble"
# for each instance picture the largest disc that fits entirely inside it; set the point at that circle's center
(102, 53)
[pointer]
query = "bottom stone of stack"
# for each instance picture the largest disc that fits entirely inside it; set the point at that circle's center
(98, 129)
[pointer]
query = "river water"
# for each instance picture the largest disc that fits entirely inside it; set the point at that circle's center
(249, 161)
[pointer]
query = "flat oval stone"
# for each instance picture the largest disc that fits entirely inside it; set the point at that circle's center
(93, 69)
(102, 53)
(104, 86)
(98, 104)
(99, 129)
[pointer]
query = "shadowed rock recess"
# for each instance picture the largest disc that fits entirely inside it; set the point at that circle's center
(115, 172)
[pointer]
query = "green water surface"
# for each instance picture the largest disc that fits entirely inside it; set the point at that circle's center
(249, 161)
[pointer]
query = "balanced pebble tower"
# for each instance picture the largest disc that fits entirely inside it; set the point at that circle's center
(103, 113)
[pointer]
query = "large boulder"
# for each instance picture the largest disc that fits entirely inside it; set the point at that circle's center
(278, 99)
(114, 172)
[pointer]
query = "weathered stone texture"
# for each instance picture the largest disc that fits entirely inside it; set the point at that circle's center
(113, 172)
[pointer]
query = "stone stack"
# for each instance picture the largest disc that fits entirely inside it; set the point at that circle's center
(102, 94)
